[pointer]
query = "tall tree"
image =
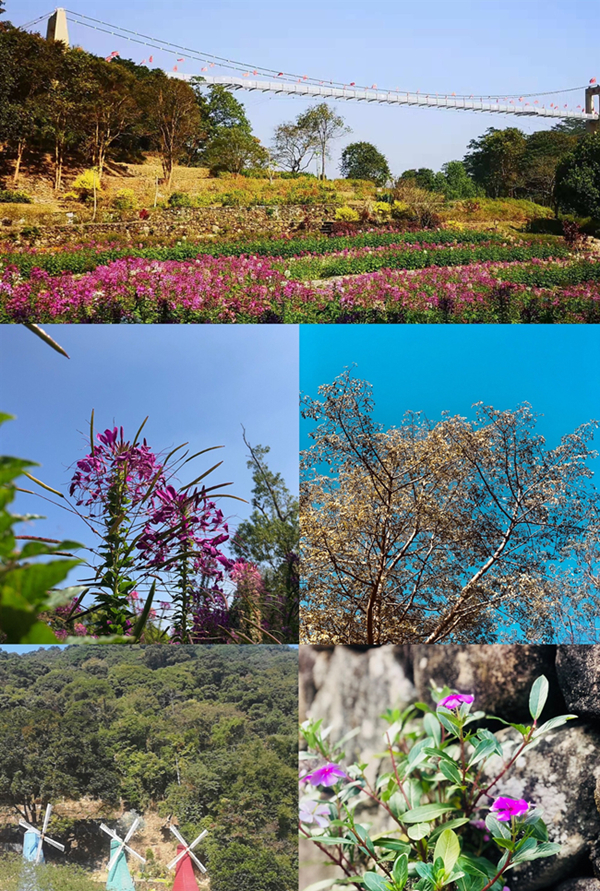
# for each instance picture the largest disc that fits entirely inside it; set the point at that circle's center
(324, 125)
(424, 178)
(361, 160)
(112, 107)
(294, 146)
(495, 160)
(270, 537)
(577, 186)
(64, 110)
(435, 533)
(174, 119)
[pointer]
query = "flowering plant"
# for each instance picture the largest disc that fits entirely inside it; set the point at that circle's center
(152, 533)
(449, 826)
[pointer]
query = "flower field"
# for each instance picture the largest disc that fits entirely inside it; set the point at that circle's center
(379, 276)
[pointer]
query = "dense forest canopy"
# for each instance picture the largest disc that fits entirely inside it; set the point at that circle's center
(207, 734)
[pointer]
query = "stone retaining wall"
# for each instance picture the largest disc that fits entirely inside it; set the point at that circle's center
(184, 222)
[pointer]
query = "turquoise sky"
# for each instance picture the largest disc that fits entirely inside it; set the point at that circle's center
(435, 368)
(495, 47)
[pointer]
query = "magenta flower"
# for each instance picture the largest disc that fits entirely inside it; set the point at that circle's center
(506, 808)
(455, 700)
(326, 776)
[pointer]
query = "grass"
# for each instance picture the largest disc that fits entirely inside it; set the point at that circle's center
(50, 877)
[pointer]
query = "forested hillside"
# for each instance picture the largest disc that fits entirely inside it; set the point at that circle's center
(204, 735)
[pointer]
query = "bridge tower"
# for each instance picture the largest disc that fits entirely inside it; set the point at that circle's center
(590, 92)
(57, 27)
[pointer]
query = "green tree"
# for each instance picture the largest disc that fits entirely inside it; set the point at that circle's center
(270, 537)
(233, 150)
(543, 152)
(323, 125)
(173, 117)
(495, 161)
(64, 109)
(28, 65)
(455, 182)
(111, 110)
(424, 178)
(577, 187)
(362, 160)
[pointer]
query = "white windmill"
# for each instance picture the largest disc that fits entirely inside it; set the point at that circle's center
(187, 849)
(41, 835)
(122, 843)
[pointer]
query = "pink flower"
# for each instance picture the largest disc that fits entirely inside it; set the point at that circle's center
(326, 776)
(506, 808)
(455, 700)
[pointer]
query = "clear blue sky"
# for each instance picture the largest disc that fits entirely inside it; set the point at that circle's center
(494, 47)
(435, 368)
(197, 383)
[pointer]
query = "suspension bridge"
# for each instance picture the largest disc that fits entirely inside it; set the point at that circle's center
(239, 76)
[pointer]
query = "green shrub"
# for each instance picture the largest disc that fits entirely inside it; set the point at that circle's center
(382, 210)
(236, 198)
(180, 199)
(124, 199)
(7, 196)
(347, 214)
(401, 211)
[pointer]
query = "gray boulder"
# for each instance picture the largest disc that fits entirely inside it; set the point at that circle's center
(583, 884)
(559, 775)
(578, 670)
(499, 675)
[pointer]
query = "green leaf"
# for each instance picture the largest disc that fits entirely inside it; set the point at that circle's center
(483, 750)
(143, 618)
(400, 872)
(448, 848)
(432, 727)
(375, 882)
(391, 844)
(418, 831)
(552, 724)
(450, 824)
(451, 772)
(426, 813)
(538, 697)
(497, 829)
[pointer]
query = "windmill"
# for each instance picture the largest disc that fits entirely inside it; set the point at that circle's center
(185, 880)
(33, 842)
(119, 878)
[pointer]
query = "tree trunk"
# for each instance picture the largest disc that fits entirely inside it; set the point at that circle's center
(20, 150)
(58, 165)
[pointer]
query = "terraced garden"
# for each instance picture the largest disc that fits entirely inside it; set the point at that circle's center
(431, 276)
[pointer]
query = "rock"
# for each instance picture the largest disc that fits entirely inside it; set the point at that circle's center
(583, 884)
(353, 687)
(499, 675)
(560, 776)
(578, 670)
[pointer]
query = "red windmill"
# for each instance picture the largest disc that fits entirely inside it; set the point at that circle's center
(185, 880)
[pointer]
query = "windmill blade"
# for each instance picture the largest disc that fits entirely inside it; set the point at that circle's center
(116, 856)
(40, 847)
(108, 831)
(55, 844)
(135, 853)
(31, 828)
(174, 862)
(47, 818)
(200, 837)
(197, 862)
(134, 826)
(178, 835)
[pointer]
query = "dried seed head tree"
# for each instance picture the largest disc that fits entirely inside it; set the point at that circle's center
(463, 531)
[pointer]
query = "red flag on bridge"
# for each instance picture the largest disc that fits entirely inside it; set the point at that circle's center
(592, 80)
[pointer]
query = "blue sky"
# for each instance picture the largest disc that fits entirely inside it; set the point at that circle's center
(479, 47)
(435, 368)
(197, 383)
